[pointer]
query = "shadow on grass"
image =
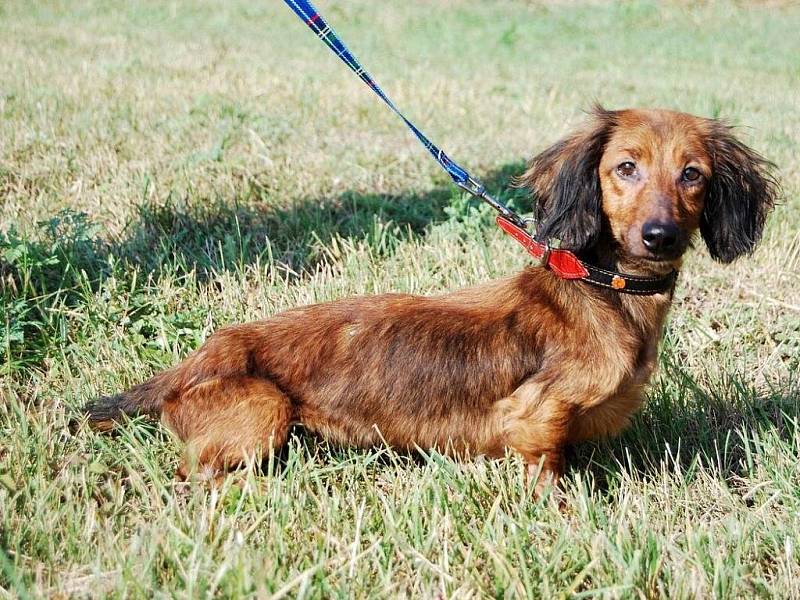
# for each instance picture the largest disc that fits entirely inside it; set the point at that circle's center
(687, 426)
(220, 236)
(217, 235)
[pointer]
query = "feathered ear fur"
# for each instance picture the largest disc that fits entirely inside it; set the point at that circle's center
(741, 193)
(565, 183)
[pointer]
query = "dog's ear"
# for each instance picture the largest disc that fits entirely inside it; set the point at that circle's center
(741, 192)
(565, 183)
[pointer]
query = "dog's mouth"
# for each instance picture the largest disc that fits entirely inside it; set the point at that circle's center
(656, 261)
(659, 259)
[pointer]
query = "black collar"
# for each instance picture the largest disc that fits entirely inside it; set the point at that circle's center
(630, 284)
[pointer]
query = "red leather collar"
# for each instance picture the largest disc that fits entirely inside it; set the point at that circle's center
(568, 266)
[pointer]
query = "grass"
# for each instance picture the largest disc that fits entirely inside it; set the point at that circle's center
(169, 167)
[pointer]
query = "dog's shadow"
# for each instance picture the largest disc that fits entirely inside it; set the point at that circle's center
(210, 236)
(686, 428)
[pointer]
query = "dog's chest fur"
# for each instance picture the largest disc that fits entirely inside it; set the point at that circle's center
(631, 341)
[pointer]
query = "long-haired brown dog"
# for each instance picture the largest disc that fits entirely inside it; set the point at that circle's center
(529, 363)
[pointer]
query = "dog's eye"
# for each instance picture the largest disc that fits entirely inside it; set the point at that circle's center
(691, 174)
(626, 169)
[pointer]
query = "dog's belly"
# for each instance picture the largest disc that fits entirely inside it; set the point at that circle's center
(459, 432)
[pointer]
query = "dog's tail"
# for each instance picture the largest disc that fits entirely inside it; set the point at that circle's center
(227, 353)
(144, 399)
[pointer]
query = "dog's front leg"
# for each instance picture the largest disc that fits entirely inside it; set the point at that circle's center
(536, 422)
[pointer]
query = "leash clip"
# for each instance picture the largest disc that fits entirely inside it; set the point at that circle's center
(549, 246)
(529, 224)
(477, 189)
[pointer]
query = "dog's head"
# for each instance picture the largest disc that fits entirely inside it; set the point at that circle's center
(652, 178)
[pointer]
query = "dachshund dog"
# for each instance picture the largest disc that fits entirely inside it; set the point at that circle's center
(529, 363)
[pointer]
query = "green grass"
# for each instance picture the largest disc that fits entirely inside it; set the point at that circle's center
(170, 167)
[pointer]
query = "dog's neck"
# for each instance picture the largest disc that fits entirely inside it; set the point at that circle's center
(647, 312)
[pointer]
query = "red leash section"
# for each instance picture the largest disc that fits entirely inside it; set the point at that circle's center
(562, 262)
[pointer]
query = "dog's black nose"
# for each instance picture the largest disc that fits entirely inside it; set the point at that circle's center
(659, 236)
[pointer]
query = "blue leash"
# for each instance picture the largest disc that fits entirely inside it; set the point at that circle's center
(311, 17)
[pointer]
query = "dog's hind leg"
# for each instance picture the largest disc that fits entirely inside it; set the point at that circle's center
(226, 420)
